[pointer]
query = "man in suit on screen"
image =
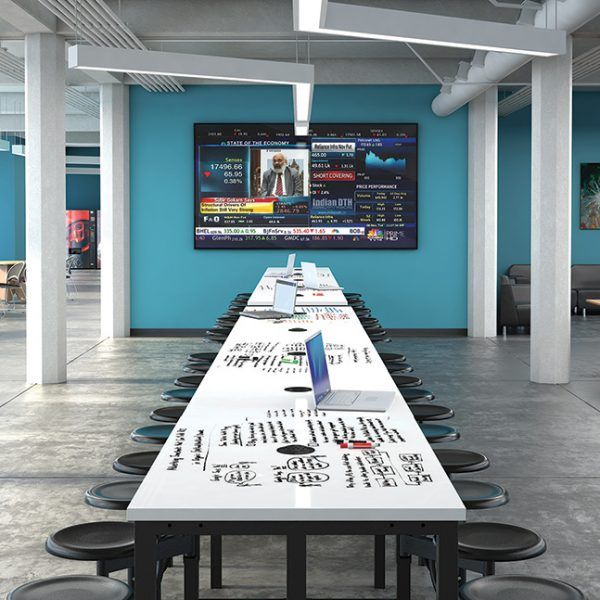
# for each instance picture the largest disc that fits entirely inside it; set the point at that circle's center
(280, 179)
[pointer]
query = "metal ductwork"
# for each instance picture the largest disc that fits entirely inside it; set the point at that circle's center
(95, 22)
(14, 67)
(487, 69)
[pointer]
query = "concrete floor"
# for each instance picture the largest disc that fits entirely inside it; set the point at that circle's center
(56, 441)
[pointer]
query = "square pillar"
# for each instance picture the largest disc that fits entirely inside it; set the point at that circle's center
(114, 206)
(483, 215)
(45, 207)
(551, 134)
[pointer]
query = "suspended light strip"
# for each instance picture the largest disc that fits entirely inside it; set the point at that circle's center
(4, 146)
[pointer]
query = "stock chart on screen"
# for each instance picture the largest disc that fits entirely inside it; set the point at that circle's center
(345, 185)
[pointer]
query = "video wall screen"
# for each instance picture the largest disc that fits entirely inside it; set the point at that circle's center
(345, 185)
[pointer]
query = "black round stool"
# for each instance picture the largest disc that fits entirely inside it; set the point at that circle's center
(72, 587)
(202, 357)
(194, 367)
(179, 395)
(391, 357)
(399, 367)
(406, 381)
(217, 334)
(362, 312)
(112, 495)
(461, 461)
(498, 542)
(97, 541)
(519, 587)
(244, 295)
(476, 495)
(189, 381)
(437, 434)
(352, 295)
(417, 395)
(135, 463)
(167, 414)
(430, 412)
(152, 434)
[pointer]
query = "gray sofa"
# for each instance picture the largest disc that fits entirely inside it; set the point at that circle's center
(585, 285)
(515, 303)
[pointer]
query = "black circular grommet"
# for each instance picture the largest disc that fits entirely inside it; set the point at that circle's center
(296, 353)
(300, 295)
(295, 449)
(297, 329)
(298, 388)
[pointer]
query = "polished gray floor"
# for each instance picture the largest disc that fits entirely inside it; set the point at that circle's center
(55, 441)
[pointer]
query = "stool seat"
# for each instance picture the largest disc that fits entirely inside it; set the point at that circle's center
(245, 295)
(399, 367)
(72, 587)
(519, 587)
(417, 395)
(352, 295)
(437, 434)
(167, 414)
(152, 434)
(197, 368)
(361, 312)
(204, 357)
(99, 540)
(403, 381)
(135, 463)
(498, 542)
(461, 461)
(389, 357)
(113, 495)
(179, 395)
(480, 494)
(430, 412)
(189, 381)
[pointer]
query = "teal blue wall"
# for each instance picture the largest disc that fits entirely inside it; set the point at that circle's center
(175, 286)
(12, 206)
(83, 192)
(514, 182)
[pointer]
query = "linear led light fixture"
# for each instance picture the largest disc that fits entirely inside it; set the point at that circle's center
(4, 146)
(198, 66)
(322, 16)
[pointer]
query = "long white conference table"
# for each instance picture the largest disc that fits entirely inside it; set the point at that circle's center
(252, 456)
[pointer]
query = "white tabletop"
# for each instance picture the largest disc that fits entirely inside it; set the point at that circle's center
(263, 294)
(222, 463)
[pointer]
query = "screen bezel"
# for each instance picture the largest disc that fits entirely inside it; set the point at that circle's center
(318, 399)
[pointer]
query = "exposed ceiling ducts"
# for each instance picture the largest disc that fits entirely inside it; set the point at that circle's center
(95, 22)
(487, 69)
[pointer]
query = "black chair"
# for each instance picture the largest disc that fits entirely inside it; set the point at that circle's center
(152, 434)
(519, 587)
(72, 587)
(430, 412)
(478, 495)
(392, 357)
(437, 434)
(202, 357)
(112, 495)
(399, 367)
(179, 395)
(189, 381)
(167, 414)
(461, 461)
(417, 395)
(136, 463)
(406, 381)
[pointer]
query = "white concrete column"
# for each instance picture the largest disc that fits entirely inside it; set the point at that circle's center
(114, 207)
(45, 207)
(551, 218)
(483, 214)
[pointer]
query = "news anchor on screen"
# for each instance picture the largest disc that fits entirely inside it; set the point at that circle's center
(280, 179)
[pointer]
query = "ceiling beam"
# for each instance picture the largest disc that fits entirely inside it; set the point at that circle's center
(28, 16)
(322, 16)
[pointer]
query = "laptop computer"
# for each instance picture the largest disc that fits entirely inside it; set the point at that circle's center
(328, 399)
(289, 269)
(284, 302)
(311, 278)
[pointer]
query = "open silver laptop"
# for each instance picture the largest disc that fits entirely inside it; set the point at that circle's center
(289, 269)
(284, 302)
(328, 399)
(311, 278)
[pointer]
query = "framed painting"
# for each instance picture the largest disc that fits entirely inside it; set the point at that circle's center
(589, 197)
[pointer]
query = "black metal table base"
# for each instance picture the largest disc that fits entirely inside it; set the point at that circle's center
(146, 533)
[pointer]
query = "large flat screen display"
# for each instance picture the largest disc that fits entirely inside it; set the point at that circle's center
(345, 185)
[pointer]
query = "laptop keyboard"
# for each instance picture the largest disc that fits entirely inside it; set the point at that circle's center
(340, 399)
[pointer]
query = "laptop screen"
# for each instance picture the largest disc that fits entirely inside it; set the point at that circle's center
(289, 270)
(317, 364)
(309, 273)
(284, 299)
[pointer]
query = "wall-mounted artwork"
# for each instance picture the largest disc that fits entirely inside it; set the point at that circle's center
(589, 198)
